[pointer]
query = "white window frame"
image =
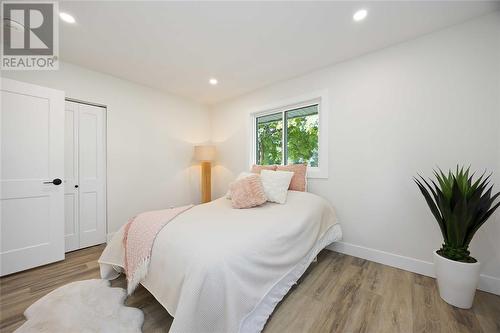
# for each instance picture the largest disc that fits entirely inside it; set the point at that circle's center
(319, 98)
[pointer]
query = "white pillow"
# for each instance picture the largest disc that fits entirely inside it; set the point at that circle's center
(276, 184)
(240, 176)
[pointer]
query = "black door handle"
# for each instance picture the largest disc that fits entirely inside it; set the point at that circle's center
(56, 181)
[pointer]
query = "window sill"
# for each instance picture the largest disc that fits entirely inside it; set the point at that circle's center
(318, 173)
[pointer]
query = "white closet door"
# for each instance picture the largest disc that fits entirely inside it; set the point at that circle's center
(92, 178)
(71, 186)
(32, 167)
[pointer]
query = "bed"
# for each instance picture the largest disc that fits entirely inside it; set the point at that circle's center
(219, 269)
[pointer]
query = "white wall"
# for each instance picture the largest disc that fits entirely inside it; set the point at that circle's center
(433, 101)
(150, 137)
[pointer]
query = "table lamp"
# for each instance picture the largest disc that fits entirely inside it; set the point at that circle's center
(205, 154)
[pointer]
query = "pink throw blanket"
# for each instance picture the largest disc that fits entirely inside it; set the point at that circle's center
(138, 239)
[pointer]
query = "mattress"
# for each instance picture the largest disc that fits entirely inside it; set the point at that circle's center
(219, 269)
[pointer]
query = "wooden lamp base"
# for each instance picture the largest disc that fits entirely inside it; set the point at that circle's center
(206, 182)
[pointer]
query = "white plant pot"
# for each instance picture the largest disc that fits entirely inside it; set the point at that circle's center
(457, 281)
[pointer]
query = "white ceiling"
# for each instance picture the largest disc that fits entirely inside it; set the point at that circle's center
(178, 46)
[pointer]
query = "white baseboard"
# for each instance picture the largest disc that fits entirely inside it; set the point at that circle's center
(487, 283)
(490, 284)
(109, 236)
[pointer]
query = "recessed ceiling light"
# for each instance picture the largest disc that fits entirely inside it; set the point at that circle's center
(213, 81)
(67, 17)
(360, 15)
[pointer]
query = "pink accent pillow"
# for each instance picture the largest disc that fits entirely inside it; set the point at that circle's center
(258, 168)
(298, 182)
(247, 192)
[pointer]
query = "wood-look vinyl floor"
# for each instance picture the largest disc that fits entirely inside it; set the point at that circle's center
(339, 293)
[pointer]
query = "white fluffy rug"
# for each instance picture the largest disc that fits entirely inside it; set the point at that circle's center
(83, 306)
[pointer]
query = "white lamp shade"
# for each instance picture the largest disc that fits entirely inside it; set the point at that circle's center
(204, 153)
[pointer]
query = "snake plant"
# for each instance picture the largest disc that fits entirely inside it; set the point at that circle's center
(461, 206)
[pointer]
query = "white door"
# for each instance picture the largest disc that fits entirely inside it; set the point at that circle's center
(86, 175)
(92, 175)
(32, 167)
(71, 227)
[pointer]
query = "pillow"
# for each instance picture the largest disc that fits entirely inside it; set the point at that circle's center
(276, 184)
(298, 182)
(247, 192)
(240, 176)
(258, 168)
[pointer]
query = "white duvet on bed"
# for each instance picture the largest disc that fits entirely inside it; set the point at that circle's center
(219, 269)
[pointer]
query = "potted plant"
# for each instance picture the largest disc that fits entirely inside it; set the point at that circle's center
(461, 206)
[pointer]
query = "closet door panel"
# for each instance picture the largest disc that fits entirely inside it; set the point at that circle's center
(72, 240)
(92, 175)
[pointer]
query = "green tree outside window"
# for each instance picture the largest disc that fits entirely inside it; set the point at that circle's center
(301, 137)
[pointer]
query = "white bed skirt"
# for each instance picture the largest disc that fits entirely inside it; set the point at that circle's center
(254, 322)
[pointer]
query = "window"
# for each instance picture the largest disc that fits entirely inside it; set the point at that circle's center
(288, 137)
(302, 136)
(293, 131)
(270, 139)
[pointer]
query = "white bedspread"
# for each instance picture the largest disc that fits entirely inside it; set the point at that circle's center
(219, 269)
